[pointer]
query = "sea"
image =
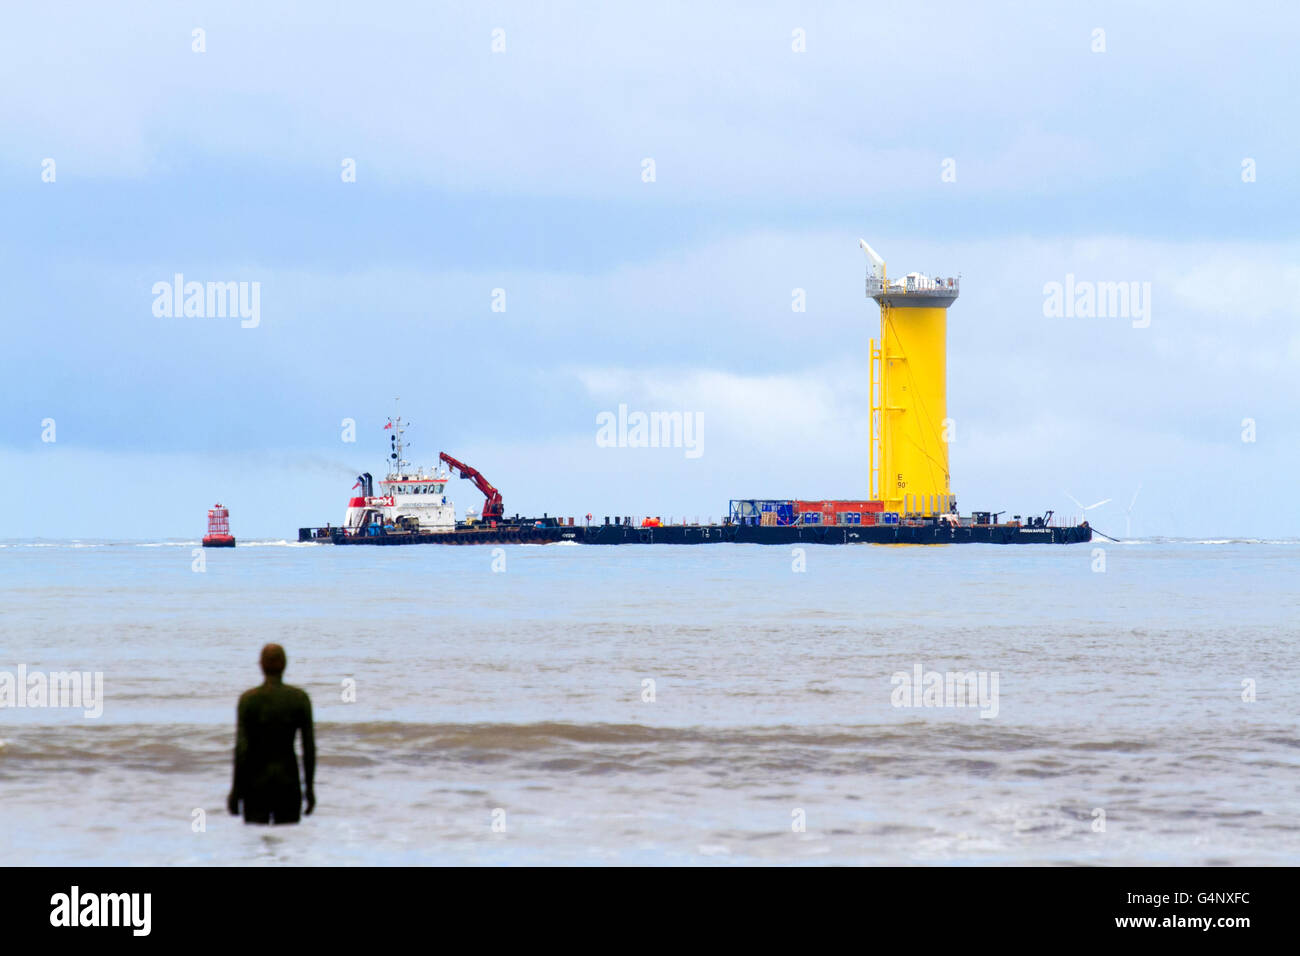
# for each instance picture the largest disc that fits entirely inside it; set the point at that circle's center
(1095, 704)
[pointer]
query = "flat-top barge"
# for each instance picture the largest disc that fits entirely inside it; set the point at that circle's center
(550, 530)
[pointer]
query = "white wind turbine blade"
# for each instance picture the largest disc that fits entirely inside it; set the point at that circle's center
(1097, 504)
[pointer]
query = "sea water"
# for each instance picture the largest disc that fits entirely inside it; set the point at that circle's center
(665, 705)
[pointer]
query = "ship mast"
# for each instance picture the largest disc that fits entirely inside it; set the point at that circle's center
(397, 452)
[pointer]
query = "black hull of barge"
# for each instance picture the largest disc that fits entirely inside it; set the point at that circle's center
(717, 534)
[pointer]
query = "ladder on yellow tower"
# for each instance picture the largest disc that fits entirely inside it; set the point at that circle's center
(875, 445)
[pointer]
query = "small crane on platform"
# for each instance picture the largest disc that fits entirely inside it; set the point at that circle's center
(493, 508)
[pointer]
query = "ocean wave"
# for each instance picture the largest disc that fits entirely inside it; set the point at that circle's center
(1160, 540)
(1270, 541)
(916, 748)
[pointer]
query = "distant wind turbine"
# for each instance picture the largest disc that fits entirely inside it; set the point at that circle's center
(1128, 515)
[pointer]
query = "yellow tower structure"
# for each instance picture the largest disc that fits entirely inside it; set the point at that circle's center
(910, 429)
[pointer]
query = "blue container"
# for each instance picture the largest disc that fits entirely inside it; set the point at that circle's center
(889, 517)
(750, 511)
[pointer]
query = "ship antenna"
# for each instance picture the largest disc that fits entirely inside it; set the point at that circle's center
(396, 457)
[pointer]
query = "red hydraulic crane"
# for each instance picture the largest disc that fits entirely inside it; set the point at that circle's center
(493, 508)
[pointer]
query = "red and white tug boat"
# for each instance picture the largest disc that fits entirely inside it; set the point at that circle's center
(410, 499)
(218, 535)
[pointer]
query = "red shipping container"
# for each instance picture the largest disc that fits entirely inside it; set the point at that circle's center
(827, 514)
(838, 505)
(859, 506)
(832, 511)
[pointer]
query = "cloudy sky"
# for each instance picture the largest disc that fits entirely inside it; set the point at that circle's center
(1006, 146)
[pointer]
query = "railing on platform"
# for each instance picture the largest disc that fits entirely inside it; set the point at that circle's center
(925, 286)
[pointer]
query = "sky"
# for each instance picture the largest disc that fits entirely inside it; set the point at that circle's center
(504, 146)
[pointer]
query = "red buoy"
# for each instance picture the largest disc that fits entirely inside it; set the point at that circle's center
(218, 535)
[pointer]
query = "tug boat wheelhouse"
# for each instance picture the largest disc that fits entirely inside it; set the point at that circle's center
(408, 500)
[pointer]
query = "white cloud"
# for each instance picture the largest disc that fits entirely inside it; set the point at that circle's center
(584, 92)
